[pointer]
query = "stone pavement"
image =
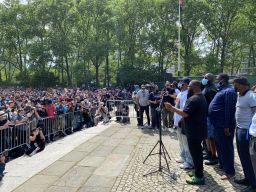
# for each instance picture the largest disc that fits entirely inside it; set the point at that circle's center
(112, 161)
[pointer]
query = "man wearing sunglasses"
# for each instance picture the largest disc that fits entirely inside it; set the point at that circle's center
(143, 103)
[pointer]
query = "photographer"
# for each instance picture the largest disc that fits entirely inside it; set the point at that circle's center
(37, 141)
(169, 96)
(101, 114)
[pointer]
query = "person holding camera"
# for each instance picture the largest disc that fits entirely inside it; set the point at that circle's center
(101, 113)
(37, 141)
(169, 96)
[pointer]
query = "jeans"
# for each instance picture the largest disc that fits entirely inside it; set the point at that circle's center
(195, 149)
(142, 109)
(155, 118)
(167, 117)
(242, 142)
(225, 150)
(183, 148)
(253, 153)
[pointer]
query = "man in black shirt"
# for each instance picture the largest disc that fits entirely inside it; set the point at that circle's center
(209, 92)
(195, 116)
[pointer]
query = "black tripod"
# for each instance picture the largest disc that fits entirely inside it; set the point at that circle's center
(162, 150)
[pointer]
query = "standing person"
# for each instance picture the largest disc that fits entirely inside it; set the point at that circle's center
(222, 116)
(195, 116)
(136, 107)
(209, 92)
(184, 155)
(245, 109)
(252, 147)
(154, 99)
(169, 96)
(143, 103)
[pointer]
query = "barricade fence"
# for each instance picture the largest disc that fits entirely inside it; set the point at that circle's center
(122, 109)
(18, 135)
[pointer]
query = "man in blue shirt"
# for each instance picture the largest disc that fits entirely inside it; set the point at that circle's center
(222, 116)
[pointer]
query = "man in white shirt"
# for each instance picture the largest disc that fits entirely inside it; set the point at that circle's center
(185, 157)
(143, 104)
(245, 108)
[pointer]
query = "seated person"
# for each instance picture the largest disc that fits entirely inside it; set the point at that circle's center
(37, 141)
(101, 114)
(2, 166)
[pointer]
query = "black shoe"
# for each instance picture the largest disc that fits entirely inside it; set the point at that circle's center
(211, 162)
(206, 157)
(242, 182)
(250, 189)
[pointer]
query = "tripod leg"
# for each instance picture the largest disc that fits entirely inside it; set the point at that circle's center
(151, 152)
(166, 158)
(166, 152)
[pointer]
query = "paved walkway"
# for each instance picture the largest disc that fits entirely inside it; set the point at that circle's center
(112, 161)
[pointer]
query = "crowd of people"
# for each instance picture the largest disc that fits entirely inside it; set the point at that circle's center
(207, 115)
(45, 111)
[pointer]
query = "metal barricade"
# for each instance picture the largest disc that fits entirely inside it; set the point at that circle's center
(124, 109)
(14, 136)
(18, 135)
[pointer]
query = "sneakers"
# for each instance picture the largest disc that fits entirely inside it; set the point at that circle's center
(195, 180)
(211, 161)
(186, 165)
(242, 182)
(179, 160)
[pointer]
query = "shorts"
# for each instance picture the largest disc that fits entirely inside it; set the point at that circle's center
(210, 129)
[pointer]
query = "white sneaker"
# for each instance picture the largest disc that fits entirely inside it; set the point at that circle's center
(179, 160)
(185, 165)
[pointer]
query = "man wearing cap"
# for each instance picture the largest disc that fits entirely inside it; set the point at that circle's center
(143, 103)
(184, 154)
(209, 92)
(222, 116)
(245, 109)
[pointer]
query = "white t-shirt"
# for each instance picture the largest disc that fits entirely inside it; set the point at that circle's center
(244, 111)
(252, 130)
(182, 96)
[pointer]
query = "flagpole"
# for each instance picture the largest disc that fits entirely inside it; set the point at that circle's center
(179, 43)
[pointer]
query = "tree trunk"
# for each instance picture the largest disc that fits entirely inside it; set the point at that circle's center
(96, 64)
(223, 55)
(68, 71)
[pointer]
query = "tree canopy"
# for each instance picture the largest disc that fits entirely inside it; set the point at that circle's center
(115, 42)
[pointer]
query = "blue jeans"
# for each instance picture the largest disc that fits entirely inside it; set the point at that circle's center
(225, 150)
(155, 122)
(242, 142)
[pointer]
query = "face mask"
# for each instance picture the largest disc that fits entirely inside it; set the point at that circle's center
(204, 81)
